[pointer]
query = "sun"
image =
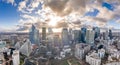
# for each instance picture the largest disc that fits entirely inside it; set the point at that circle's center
(54, 20)
(52, 23)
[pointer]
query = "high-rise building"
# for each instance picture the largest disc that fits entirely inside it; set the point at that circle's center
(57, 41)
(37, 37)
(90, 36)
(50, 31)
(65, 38)
(17, 45)
(34, 35)
(16, 58)
(105, 35)
(77, 36)
(43, 33)
(50, 39)
(83, 34)
(26, 48)
(70, 35)
(14, 38)
(97, 32)
(110, 34)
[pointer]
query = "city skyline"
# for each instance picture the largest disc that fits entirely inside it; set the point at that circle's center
(59, 32)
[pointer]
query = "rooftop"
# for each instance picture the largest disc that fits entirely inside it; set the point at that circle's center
(82, 45)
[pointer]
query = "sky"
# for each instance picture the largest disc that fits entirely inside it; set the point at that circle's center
(19, 15)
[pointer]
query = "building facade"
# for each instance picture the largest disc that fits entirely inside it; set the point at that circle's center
(81, 50)
(90, 37)
(34, 35)
(65, 37)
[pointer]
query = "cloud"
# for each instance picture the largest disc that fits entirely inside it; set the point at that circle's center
(65, 7)
(57, 6)
(66, 13)
(27, 6)
(25, 24)
(10, 1)
(61, 24)
(100, 19)
(77, 22)
(22, 6)
(23, 28)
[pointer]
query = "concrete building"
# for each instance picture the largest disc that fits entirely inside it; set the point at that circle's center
(118, 45)
(2, 60)
(26, 48)
(57, 42)
(44, 35)
(94, 58)
(113, 59)
(2, 44)
(105, 35)
(16, 57)
(17, 45)
(65, 37)
(77, 36)
(101, 53)
(90, 37)
(81, 50)
(14, 38)
(71, 35)
(116, 34)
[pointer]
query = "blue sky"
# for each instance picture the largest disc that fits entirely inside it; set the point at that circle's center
(10, 15)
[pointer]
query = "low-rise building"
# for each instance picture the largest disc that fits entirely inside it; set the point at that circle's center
(94, 58)
(113, 59)
(81, 50)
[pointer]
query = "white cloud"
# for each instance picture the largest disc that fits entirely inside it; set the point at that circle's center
(26, 7)
(68, 10)
(10, 1)
(22, 6)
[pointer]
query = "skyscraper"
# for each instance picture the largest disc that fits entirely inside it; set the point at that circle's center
(50, 39)
(97, 32)
(90, 36)
(83, 34)
(43, 35)
(70, 33)
(65, 38)
(77, 35)
(26, 48)
(50, 31)
(110, 34)
(57, 41)
(105, 35)
(37, 37)
(34, 35)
